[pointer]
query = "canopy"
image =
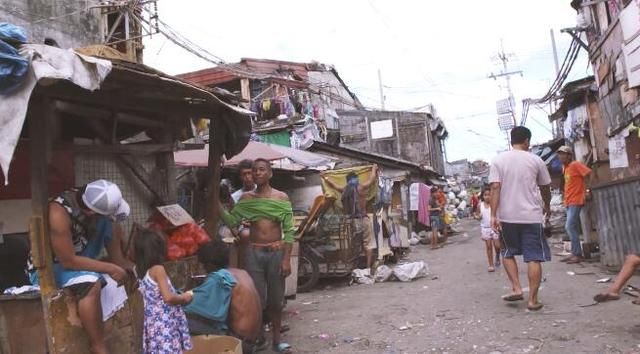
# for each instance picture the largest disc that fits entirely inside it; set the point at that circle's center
(283, 157)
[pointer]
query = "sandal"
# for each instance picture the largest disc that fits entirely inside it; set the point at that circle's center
(282, 348)
(513, 297)
(606, 297)
(636, 302)
(491, 269)
(535, 307)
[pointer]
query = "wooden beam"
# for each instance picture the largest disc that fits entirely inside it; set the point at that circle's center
(40, 116)
(217, 135)
(245, 91)
(104, 113)
(126, 149)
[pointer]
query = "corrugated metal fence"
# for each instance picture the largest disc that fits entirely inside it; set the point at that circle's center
(618, 220)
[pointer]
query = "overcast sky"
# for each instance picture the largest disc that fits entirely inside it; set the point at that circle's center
(428, 51)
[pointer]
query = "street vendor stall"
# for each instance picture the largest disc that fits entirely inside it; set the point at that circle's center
(77, 107)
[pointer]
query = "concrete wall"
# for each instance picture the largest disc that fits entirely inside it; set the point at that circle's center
(411, 139)
(69, 22)
(461, 168)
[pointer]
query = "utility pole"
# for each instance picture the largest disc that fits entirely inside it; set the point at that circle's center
(504, 58)
(555, 51)
(381, 90)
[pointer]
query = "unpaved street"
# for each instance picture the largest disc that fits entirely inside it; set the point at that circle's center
(461, 311)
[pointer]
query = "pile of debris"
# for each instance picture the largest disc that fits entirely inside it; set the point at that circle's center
(558, 216)
(459, 204)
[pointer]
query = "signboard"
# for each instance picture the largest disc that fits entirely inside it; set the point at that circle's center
(505, 122)
(382, 129)
(504, 106)
(176, 215)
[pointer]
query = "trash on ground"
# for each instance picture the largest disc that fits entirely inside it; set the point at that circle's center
(571, 273)
(604, 280)
(383, 273)
(323, 336)
(410, 271)
(362, 276)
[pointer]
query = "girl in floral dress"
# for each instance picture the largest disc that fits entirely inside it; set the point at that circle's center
(165, 324)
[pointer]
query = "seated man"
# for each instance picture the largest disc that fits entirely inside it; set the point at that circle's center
(81, 224)
(631, 263)
(227, 303)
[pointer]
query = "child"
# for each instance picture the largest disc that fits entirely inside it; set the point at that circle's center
(435, 212)
(490, 237)
(165, 324)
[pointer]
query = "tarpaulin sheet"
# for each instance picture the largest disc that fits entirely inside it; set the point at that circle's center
(339, 177)
(46, 63)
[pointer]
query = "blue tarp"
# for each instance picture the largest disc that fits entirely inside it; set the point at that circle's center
(13, 67)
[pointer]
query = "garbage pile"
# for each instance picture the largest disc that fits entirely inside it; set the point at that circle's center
(459, 205)
(558, 215)
(403, 272)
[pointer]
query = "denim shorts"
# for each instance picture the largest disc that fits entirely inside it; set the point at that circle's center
(436, 222)
(526, 240)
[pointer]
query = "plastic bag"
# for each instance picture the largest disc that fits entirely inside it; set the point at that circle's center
(383, 273)
(174, 252)
(411, 271)
(362, 276)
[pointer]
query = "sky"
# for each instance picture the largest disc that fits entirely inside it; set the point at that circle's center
(428, 52)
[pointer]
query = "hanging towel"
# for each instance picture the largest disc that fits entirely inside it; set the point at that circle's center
(424, 195)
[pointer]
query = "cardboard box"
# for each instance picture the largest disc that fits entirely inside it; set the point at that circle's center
(215, 345)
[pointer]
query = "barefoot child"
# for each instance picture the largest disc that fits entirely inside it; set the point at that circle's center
(490, 237)
(165, 324)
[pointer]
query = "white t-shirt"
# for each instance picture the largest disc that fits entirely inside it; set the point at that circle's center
(520, 173)
(485, 216)
(238, 194)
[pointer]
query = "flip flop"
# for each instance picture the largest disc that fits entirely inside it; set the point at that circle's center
(636, 302)
(513, 297)
(282, 348)
(535, 307)
(606, 297)
(574, 261)
(491, 269)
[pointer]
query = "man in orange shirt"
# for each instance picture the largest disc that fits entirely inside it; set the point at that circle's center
(575, 189)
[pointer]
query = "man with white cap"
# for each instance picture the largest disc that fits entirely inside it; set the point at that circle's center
(575, 189)
(82, 222)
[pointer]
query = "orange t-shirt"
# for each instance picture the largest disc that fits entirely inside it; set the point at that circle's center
(574, 186)
(442, 199)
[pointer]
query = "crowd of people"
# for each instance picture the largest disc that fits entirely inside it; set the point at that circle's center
(230, 301)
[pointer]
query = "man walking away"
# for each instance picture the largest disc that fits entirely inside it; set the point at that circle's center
(575, 191)
(517, 179)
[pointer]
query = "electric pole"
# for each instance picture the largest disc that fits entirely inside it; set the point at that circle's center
(381, 90)
(504, 58)
(555, 51)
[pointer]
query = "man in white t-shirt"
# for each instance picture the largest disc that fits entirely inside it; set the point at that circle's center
(518, 179)
(245, 168)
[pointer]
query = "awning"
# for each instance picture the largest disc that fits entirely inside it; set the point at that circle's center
(65, 75)
(282, 157)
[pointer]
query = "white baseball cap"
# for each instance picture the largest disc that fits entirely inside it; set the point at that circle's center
(565, 149)
(105, 198)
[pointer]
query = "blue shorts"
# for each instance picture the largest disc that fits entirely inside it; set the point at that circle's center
(526, 240)
(436, 222)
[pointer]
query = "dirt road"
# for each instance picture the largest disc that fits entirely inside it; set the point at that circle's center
(461, 311)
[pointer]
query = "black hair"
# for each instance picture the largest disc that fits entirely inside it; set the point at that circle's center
(79, 200)
(351, 175)
(519, 135)
(484, 189)
(214, 255)
(265, 161)
(150, 249)
(246, 164)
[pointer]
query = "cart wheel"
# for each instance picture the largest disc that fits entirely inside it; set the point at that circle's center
(308, 273)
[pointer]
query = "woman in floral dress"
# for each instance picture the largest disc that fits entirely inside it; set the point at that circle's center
(165, 324)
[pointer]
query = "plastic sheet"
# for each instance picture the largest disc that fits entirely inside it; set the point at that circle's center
(13, 67)
(383, 273)
(410, 271)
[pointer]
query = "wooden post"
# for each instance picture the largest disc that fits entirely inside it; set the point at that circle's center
(217, 131)
(39, 118)
(245, 91)
(167, 166)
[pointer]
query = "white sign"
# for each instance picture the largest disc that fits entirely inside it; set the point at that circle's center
(505, 106)
(505, 122)
(618, 157)
(176, 215)
(382, 129)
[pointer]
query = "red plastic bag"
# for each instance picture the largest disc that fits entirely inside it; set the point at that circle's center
(192, 250)
(174, 252)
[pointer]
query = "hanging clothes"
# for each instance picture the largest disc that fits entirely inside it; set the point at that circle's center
(424, 195)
